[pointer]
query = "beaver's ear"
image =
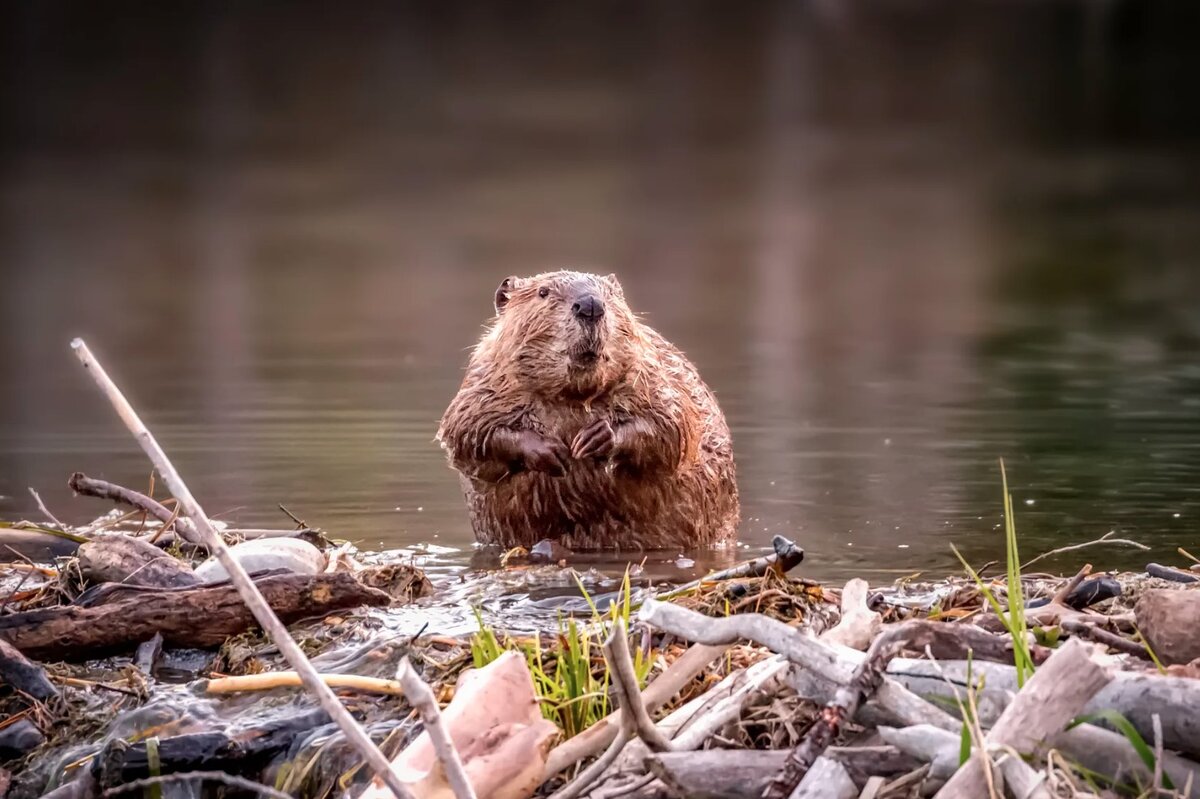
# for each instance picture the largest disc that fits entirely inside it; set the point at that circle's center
(616, 284)
(503, 293)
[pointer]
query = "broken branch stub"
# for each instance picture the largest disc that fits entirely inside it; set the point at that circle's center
(355, 735)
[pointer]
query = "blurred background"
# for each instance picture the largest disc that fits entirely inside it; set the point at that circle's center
(900, 239)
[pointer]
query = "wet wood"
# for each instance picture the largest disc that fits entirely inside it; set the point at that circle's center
(1055, 694)
(122, 559)
(194, 617)
(28, 678)
(86, 486)
(1137, 696)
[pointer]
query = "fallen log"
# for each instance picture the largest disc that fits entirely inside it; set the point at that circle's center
(230, 749)
(1136, 696)
(744, 773)
(193, 617)
(1054, 695)
(132, 561)
(1099, 751)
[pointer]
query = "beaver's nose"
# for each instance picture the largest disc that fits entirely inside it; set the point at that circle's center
(588, 308)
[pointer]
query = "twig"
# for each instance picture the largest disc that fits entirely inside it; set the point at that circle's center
(1107, 538)
(868, 676)
(355, 735)
(80, 483)
(1111, 640)
(186, 776)
(787, 556)
(620, 665)
(1060, 597)
(46, 511)
(300, 523)
(421, 697)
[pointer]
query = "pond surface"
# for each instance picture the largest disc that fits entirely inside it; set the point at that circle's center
(900, 242)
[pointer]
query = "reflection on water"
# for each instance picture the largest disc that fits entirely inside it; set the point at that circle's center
(900, 243)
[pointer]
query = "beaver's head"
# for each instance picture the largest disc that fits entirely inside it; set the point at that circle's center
(564, 333)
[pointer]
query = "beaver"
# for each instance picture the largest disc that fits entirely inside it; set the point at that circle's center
(578, 423)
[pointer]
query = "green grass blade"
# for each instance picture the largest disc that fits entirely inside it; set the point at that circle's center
(1131, 734)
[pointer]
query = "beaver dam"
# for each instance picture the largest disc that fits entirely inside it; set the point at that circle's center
(155, 651)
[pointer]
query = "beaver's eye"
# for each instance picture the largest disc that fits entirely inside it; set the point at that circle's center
(543, 292)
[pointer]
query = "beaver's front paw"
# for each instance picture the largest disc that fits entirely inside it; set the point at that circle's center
(541, 454)
(597, 440)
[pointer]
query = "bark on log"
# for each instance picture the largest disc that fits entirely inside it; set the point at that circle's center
(194, 617)
(1168, 619)
(19, 672)
(122, 559)
(717, 773)
(744, 773)
(1055, 694)
(1137, 697)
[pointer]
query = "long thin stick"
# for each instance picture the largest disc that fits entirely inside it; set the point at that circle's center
(46, 511)
(268, 680)
(250, 594)
(421, 697)
(1107, 538)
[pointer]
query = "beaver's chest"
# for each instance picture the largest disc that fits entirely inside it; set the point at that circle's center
(564, 420)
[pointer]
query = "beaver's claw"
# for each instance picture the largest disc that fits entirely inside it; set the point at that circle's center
(597, 440)
(545, 455)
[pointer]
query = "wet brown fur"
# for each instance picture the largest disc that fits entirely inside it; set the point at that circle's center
(539, 377)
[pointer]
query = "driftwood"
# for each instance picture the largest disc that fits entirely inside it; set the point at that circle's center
(827, 779)
(1055, 694)
(251, 595)
(716, 773)
(86, 486)
(197, 617)
(867, 678)
(1168, 620)
(786, 557)
(820, 669)
(1095, 749)
(858, 625)
(28, 678)
(1172, 574)
(123, 559)
(230, 749)
(420, 697)
(1136, 696)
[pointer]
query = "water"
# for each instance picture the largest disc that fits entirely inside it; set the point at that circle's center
(900, 242)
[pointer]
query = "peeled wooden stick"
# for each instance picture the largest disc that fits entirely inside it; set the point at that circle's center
(254, 600)
(1052, 697)
(620, 665)
(421, 697)
(281, 679)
